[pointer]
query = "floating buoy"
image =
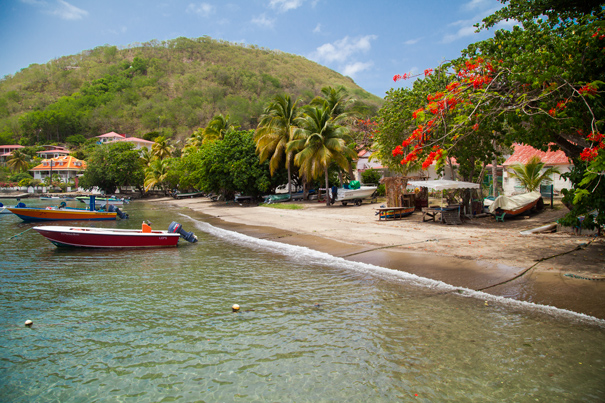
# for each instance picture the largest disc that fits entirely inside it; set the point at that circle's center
(235, 308)
(28, 323)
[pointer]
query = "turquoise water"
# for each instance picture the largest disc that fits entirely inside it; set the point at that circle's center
(156, 325)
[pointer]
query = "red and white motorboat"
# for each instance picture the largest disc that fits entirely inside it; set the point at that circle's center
(90, 237)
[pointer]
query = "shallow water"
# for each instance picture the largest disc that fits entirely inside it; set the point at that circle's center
(157, 325)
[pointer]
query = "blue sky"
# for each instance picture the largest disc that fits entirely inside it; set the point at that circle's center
(370, 41)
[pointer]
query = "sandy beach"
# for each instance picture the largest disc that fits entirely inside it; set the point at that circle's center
(560, 269)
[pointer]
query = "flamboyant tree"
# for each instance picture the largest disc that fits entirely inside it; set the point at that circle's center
(540, 82)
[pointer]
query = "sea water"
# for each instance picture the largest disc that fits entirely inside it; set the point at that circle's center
(156, 325)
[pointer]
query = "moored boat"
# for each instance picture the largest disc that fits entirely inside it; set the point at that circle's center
(64, 213)
(103, 201)
(91, 237)
(60, 214)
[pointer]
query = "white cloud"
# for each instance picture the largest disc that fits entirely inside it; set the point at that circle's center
(263, 21)
(61, 9)
(34, 2)
(285, 5)
(68, 12)
(343, 49)
(202, 9)
(475, 4)
(412, 41)
(317, 29)
(466, 30)
(352, 69)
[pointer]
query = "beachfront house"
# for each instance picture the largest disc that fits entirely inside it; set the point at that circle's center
(53, 152)
(67, 167)
(522, 154)
(113, 137)
(6, 151)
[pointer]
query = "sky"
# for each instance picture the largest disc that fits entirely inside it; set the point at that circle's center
(367, 40)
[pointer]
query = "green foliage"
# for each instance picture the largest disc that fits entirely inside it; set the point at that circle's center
(168, 87)
(371, 176)
(111, 166)
(75, 140)
(531, 176)
(18, 177)
(284, 206)
(228, 166)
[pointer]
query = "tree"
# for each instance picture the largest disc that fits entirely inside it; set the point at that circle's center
(274, 131)
(229, 166)
(336, 100)
(146, 156)
(320, 141)
(111, 166)
(18, 161)
(155, 174)
(531, 175)
(161, 149)
(218, 127)
(541, 81)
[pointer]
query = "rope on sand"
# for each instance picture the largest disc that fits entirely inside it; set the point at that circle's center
(579, 247)
(394, 246)
(582, 277)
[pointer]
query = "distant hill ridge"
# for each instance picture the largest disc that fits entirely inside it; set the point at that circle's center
(166, 87)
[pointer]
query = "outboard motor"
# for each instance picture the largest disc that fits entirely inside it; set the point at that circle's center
(111, 208)
(175, 227)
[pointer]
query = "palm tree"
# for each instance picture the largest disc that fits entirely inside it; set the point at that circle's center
(274, 131)
(320, 142)
(156, 174)
(18, 161)
(530, 175)
(161, 148)
(217, 128)
(146, 156)
(336, 100)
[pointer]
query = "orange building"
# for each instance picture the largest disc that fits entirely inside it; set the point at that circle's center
(67, 167)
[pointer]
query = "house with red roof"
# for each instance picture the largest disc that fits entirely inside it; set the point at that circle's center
(113, 137)
(67, 167)
(522, 154)
(6, 151)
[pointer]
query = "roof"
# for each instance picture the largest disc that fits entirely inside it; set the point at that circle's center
(110, 135)
(523, 154)
(133, 140)
(65, 163)
(10, 146)
(62, 151)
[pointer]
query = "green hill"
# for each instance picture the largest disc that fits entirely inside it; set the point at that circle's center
(171, 87)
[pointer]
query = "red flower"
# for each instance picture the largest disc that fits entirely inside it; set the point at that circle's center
(428, 72)
(552, 112)
(589, 154)
(416, 112)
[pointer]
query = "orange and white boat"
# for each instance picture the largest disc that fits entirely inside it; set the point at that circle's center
(513, 206)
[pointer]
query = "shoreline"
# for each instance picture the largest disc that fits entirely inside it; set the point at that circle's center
(480, 254)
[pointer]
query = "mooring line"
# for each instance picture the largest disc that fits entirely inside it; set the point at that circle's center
(394, 246)
(14, 236)
(577, 248)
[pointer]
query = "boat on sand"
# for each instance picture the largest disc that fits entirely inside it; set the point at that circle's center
(512, 206)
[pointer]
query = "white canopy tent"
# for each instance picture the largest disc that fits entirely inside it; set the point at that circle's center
(443, 184)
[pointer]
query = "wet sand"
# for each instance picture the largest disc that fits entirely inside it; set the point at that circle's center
(480, 254)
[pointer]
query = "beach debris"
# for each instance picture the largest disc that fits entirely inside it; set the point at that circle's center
(235, 308)
(29, 323)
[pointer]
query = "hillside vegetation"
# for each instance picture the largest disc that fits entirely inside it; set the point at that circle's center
(167, 88)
